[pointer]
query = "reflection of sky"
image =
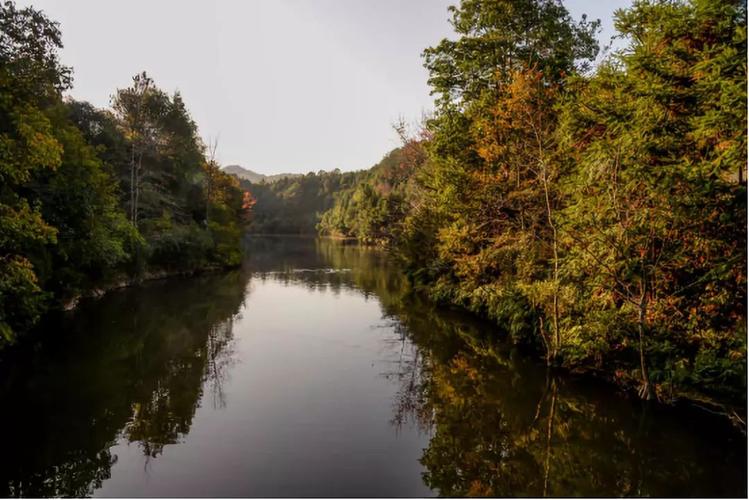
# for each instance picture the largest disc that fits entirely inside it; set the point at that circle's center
(307, 411)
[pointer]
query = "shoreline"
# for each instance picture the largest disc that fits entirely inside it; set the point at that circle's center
(735, 413)
(724, 408)
(96, 293)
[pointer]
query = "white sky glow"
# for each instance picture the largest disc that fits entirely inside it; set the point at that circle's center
(282, 85)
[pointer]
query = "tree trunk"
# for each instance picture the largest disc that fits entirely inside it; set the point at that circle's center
(547, 342)
(557, 335)
(137, 187)
(646, 391)
(132, 183)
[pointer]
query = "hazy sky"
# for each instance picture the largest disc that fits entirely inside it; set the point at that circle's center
(283, 85)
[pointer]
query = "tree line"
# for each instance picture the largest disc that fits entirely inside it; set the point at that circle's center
(294, 204)
(370, 210)
(596, 213)
(92, 198)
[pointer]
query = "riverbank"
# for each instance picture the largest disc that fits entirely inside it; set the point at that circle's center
(280, 367)
(613, 371)
(341, 238)
(98, 292)
(730, 409)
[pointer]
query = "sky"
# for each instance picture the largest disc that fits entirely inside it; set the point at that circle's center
(279, 85)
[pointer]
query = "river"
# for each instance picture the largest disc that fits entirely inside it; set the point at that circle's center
(312, 371)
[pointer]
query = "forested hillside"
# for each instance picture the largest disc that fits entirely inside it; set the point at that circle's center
(93, 198)
(294, 205)
(358, 204)
(254, 177)
(372, 209)
(598, 215)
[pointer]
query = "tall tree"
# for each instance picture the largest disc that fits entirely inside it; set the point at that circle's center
(80, 199)
(31, 78)
(132, 108)
(493, 164)
(499, 37)
(657, 225)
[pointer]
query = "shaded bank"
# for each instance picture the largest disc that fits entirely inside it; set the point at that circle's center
(134, 363)
(146, 277)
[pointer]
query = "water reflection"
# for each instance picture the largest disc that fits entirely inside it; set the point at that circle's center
(137, 366)
(504, 426)
(132, 365)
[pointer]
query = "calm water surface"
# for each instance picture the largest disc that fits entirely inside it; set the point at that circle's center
(314, 372)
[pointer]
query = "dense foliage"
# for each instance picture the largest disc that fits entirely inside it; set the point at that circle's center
(293, 205)
(372, 208)
(597, 216)
(90, 198)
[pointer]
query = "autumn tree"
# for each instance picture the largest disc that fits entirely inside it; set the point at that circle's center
(491, 187)
(657, 225)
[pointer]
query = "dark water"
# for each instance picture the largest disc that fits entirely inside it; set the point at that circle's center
(313, 372)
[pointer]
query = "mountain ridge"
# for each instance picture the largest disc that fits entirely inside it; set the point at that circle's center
(254, 177)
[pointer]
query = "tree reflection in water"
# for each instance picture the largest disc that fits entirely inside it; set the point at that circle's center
(132, 365)
(502, 425)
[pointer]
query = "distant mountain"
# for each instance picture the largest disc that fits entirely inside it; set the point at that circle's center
(254, 177)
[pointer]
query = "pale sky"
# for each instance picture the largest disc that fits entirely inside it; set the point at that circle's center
(283, 85)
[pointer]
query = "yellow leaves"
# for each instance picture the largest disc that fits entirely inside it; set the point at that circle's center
(460, 365)
(489, 151)
(488, 177)
(573, 335)
(30, 146)
(220, 184)
(23, 224)
(538, 292)
(736, 355)
(478, 489)
(456, 239)
(514, 126)
(42, 149)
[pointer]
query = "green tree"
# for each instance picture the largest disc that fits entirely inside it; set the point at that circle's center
(31, 78)
(65, 168)
(657, 227)
(499, 37)
(373, 210)
(80, 199)
(489, 193)
(229, 210)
